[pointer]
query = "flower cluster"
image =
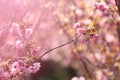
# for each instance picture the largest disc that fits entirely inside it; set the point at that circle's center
(34, 68)
(25, 64)
(22, 35)
(11, 71)
(85, 29)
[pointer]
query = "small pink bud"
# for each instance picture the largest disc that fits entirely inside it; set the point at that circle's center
(36, 50)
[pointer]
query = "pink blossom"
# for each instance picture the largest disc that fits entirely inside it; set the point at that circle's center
(76, 25)
(80, 31)
(21, 64)
(102, 6)
(74, 78)
(16, 67)
(34, 68)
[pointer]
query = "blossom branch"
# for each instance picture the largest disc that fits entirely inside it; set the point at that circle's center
(46, 52)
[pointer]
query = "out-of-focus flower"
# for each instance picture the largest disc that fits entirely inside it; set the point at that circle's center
(102, 6)
(79, 12)
(100, 75)
(100, 57)
(109, 38)
(74, 78)
(80, 31)
(78, 78)
(112, 2)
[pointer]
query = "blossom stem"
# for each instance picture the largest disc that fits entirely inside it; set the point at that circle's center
(46, 52)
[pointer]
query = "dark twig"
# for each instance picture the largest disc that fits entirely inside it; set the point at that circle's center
(46, 52)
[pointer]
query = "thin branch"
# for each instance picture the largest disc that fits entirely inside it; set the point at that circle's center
(46, 52)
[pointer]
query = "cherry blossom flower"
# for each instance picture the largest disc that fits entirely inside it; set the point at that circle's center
(34, 68)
